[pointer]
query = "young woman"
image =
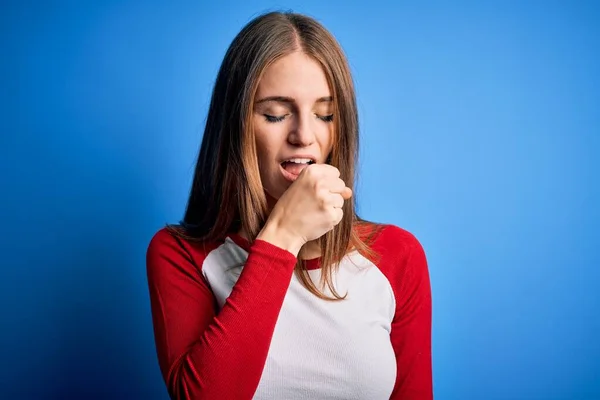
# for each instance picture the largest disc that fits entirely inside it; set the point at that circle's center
(272, 287)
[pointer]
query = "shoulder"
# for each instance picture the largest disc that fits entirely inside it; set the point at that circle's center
(170, 247)
(388, 240)
(397, 240)
(399, 254)
(164, 241)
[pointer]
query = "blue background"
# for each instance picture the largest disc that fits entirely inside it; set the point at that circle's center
(480, 134)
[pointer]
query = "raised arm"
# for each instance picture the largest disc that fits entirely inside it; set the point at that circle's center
(204, 355)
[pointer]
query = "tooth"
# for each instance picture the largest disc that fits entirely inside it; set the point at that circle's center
(300, 160)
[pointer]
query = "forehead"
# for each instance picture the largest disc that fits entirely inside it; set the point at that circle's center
(295, 75)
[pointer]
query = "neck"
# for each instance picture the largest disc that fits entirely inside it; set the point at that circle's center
(310, 250)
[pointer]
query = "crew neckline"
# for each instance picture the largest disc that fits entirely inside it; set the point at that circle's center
(310, 263)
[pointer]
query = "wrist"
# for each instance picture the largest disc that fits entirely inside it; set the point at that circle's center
(277, 236)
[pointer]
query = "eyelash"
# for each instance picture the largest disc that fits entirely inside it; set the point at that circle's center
(273, 119)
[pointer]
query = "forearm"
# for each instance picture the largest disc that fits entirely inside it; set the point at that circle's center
(206, 356)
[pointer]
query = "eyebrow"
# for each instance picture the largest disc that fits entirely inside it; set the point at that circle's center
(283, 99)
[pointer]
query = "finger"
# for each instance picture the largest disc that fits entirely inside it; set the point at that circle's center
(338, 215)
(346, 193)
(337, 186)
(330, 170)
(337, 201)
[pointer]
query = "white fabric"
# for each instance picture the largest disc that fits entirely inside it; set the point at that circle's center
(322, 350)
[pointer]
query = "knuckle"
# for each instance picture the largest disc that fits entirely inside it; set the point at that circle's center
(320, 185)
(322, 198)
(333, 216)
(312, 170)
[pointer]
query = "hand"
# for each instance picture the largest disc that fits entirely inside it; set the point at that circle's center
(309, 208)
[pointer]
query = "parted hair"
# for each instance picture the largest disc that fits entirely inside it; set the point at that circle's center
(227, 194)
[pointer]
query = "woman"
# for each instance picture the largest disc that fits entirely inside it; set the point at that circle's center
(272, 287)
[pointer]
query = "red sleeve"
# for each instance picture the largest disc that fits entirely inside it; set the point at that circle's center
(204, 355)
(407, 271)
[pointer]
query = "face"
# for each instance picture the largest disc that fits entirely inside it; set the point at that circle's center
(292, 120)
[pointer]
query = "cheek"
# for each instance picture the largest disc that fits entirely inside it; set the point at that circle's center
(265, 145)
(326, 138)
(270, 137)
(259, 140)
(260, 150)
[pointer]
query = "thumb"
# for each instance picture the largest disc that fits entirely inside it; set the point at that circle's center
(346, 193)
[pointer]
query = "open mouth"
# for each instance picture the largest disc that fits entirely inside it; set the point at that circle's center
(294, 166)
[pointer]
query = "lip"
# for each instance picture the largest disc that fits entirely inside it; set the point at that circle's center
(287, 175)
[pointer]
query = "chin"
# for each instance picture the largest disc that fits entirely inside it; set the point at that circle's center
(271, 199)
(275, 187)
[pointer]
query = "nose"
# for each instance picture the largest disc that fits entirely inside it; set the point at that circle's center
(302, 132)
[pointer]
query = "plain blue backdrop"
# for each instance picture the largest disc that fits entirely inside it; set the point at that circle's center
(480, 134)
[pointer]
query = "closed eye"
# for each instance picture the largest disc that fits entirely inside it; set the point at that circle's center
(274, 118)
(279, 118)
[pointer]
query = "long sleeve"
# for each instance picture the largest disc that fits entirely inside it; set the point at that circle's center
(411, 327)
(202, 354)
(403, 262)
